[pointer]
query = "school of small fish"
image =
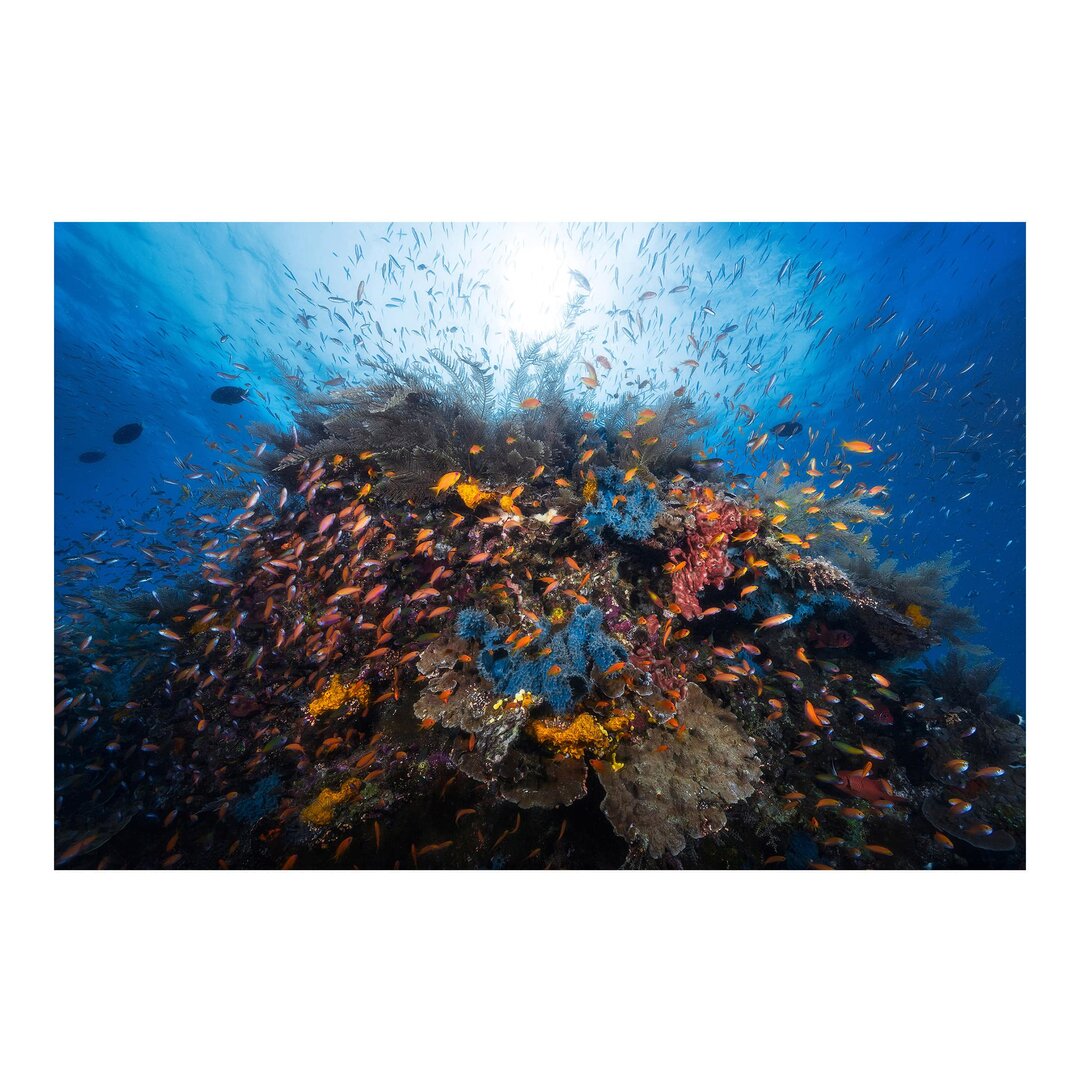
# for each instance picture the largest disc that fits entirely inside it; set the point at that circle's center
(239, 666)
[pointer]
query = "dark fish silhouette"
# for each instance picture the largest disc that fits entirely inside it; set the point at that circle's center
(127, 433)
(228, 395)
(91, 456)
(791, 427)
(708, 467)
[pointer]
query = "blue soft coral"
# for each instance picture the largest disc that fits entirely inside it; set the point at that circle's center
(631, 518)
(574, 650)
(806, 604)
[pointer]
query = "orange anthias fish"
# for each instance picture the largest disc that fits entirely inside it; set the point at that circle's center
(531, 403)
(774, 620)
(446, 481)
(857, 446)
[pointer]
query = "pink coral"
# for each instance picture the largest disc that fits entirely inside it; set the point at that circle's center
(705, 550)
(650, 656)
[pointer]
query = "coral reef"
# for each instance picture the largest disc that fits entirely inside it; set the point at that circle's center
(583, 736)
(321, 810)
(626, 508)
(338, 694)
(676, 787)
(702, 558)
(919, 592)
(561, 673)
(476, 628)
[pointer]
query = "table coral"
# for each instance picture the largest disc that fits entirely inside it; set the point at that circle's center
(674, 788)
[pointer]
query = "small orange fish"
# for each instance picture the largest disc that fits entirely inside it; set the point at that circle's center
(446, 481)
(531, 403)
(428, 848)
(857, 446)
(774, 620)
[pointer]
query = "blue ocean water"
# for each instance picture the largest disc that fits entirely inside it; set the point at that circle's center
(908, 336)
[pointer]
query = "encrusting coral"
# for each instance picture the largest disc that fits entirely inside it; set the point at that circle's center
(584, 736)
(338, 694)
(321, 810)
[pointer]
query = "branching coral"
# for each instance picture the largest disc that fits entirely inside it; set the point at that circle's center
(661, 438)
(702, 558)
(803, 509)
(421, 421)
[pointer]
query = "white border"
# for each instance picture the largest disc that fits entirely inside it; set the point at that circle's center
(539, 112)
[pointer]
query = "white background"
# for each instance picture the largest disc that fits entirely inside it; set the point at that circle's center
(501, 111)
